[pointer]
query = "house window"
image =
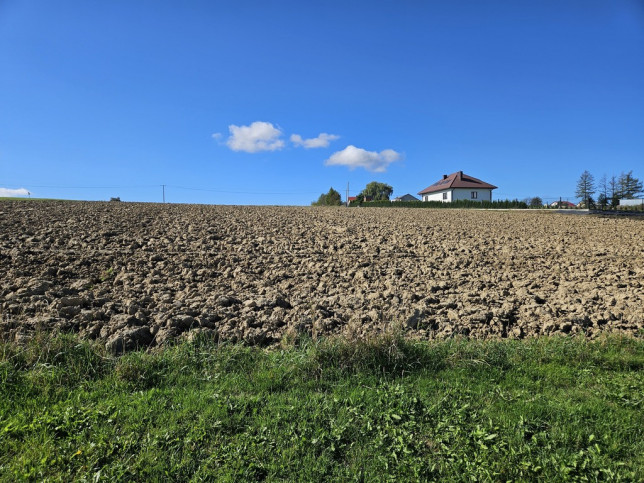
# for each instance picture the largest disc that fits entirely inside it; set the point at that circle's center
(445, 195)
(475, 195)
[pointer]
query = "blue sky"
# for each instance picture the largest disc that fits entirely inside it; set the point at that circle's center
(274, 102)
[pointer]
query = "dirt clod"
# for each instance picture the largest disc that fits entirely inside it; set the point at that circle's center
(141, 275)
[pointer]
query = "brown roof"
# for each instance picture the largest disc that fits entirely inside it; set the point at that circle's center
(456, 180)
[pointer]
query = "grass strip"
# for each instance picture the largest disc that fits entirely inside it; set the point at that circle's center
(388, 408)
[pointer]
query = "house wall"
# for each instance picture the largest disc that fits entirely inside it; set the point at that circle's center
(459, 194)
(466, 194)
(438, 196)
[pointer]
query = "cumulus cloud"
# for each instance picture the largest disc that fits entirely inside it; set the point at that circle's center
(259, 136)
(322, 141)
(7, 192)
(360, 158)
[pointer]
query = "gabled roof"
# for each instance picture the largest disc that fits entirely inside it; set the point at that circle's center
(457, 180)
(406, 197)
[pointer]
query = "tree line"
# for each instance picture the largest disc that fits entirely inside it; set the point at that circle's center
(374, 191)
(378, 195)
(609, 190)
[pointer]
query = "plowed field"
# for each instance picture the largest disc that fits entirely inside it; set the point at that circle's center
(134, 274)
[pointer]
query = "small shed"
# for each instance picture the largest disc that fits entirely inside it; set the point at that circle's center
(632, 202)
(406, 197)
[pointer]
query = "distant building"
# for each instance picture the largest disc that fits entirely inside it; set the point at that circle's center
(633, 202)
(354, 198)
(458, 186)
(406, 197)
(562, 204)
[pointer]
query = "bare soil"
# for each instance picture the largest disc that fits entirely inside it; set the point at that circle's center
(134, 275)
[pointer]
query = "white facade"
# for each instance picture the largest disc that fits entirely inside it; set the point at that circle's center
(472, 194)
(455, 194)
(635, 202)
(444, 196)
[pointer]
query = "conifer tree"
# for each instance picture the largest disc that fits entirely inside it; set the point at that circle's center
(585, 187)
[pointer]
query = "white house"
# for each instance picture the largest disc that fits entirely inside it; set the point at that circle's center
(458, 186)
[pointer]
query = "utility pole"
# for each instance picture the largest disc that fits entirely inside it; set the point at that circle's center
(163, 186)
(347, 194)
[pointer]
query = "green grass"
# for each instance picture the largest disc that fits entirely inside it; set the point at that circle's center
(556, 409)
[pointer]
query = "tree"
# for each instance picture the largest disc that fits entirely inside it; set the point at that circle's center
(377, 191)
(602, 201)
(332, 198)
(629, 186)
(602, 187)
(536, 202)
(613, 188)
(585, 187)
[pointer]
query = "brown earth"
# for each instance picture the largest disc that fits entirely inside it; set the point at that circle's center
(145, 274)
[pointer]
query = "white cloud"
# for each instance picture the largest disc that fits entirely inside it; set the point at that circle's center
(259, 136)
(322, 141)
(360, 158)
(7, 192)
(216, 136)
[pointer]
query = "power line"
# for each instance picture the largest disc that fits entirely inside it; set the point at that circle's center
(90, 187)
(244, 192)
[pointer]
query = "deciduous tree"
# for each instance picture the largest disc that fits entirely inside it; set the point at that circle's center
(536, 202)
(377, 191)
(613, 190)
(602, 200)
(602, 187)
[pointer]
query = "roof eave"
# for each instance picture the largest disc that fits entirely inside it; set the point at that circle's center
(427, 190)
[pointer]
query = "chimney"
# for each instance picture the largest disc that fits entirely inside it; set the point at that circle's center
(460, 175)
(444, 176)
